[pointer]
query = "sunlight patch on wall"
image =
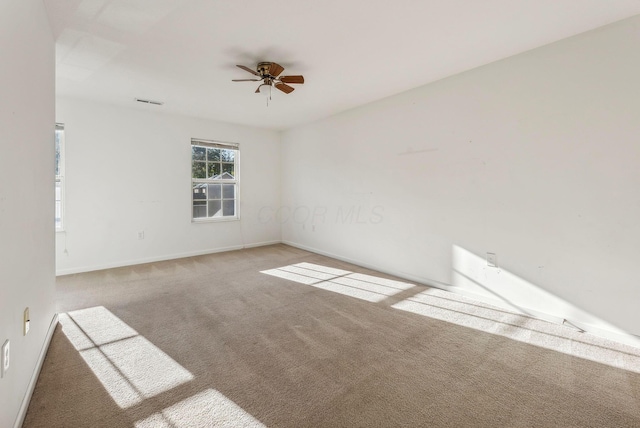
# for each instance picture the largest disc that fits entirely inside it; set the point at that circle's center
(471, 273)
(358, 285)
(206, 409)
(129, 367)
(466, 312)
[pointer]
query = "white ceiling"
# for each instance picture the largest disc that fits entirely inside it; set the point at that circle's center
(351, 52)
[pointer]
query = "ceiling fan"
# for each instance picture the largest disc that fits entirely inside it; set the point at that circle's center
(269, 74)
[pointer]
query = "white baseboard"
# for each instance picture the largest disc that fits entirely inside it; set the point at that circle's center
(36, 372)
(262, 244)
(616, 336)
(122, 263)
(409, 277)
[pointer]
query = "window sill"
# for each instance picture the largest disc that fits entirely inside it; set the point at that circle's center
(214, 219)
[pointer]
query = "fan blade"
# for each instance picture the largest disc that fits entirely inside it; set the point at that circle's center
(275, 69)
(258, 90)
(245, 80)
(249, 70)
(292, 79)
(284, 88)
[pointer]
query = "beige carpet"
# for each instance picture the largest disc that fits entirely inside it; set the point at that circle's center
(280, 337)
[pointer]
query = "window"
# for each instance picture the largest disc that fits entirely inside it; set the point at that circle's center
(59, 170)
(214, 180)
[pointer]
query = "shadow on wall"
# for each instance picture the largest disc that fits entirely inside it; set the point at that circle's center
(472, 274)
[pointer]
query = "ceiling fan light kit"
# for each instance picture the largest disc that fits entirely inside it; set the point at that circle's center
(269, 74)
(265, 89)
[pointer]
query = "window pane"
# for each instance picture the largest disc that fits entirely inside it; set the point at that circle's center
(229, 191)
(229, 207)
(214, 209)
(199, 191)
(211, 164)
(59, 170)
(228, 167)
(58, 205)
(58, 214)
(214, 191)
(228, 155)
(197, 153)
(58, 135)
(213, 169)
(213, 154)
(58, 191)
(199, 209)
(198, 169)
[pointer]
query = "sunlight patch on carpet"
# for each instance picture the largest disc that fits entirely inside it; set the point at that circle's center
(129, 366)
(207, 409)
(466, 312)
(358, 285)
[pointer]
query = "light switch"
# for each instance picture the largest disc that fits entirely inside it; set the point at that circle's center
(26, 322)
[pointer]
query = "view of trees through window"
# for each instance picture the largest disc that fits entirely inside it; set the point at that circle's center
(214, 179)
(59, 166)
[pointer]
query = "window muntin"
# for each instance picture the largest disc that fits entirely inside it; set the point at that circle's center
(59, 176)
(214, 180)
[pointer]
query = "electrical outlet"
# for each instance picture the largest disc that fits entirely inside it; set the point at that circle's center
(6, 354)
(492, 260)
(141, 234)
(26, 322)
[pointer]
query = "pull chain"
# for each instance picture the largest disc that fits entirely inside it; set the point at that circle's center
(269, 97)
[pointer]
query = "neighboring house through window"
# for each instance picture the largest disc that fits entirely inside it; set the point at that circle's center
(59, 170)
(214, 180)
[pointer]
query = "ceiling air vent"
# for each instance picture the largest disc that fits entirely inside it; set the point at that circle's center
(156, 103)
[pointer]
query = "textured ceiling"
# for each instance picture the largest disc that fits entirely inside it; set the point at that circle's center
(183, 52)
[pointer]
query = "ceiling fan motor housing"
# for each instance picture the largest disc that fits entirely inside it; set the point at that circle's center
(263, 68)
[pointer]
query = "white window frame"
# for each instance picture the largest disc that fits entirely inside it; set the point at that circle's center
(218, 145)
(59, 178)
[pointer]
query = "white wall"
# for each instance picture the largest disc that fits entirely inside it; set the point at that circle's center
(535, 158)
(26, 192)
(128, 170)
